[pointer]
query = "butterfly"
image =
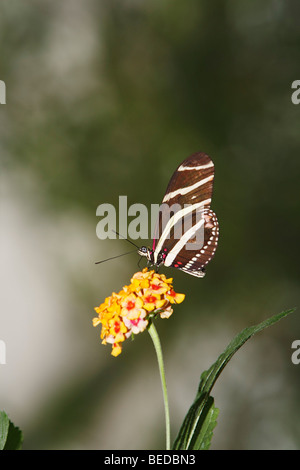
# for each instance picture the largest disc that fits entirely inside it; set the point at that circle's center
(187, 230)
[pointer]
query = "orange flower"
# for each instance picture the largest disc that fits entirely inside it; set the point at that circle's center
(132, 306)
(174, 298)
(128, 311)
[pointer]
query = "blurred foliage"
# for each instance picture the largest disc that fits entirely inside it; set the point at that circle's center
(107, 98)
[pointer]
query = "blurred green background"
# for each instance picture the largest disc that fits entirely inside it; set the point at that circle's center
(106, 99)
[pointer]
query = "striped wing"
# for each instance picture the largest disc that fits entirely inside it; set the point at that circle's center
(193, 256)
(192, 181)
(187, 230)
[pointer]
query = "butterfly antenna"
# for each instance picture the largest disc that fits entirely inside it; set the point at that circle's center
(129, 241)
(113, 257)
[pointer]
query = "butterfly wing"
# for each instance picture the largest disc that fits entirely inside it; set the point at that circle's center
(187, 231)
(192, 181)
(192, 253)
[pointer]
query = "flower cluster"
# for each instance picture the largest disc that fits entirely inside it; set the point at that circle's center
(128, 311)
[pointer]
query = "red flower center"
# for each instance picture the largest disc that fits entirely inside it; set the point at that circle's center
(155, 286)
(150, 299)
(130, 305)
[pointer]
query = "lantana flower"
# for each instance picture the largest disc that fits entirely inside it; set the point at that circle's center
(129, 311)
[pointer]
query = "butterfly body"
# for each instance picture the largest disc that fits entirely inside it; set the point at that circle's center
(187, 231)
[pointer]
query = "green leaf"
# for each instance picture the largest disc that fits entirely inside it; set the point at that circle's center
(196, 430)
(4, 427)
(11, 437)
(203, 432)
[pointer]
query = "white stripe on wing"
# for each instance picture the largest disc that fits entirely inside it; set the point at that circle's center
(187, 189)
(182, 242)
(199, 167)
(172, 221)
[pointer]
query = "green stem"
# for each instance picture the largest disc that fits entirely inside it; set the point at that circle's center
(155, 338)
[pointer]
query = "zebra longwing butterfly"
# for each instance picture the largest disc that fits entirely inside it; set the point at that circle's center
(187, 230)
